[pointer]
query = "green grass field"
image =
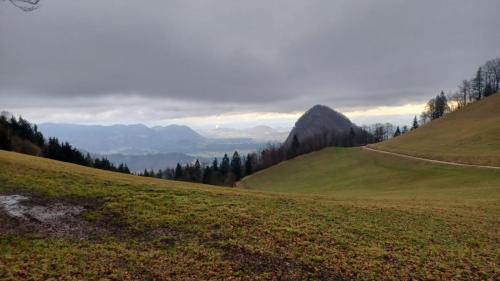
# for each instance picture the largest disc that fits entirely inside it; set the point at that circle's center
(354, 173)
(385, 227)
(470, 135)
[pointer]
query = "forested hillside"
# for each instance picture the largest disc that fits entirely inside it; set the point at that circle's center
(17, 134)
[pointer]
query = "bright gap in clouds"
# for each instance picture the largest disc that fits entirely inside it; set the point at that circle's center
(399, 115)
(132, 114)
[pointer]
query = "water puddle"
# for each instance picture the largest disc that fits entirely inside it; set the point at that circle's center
(12, 205)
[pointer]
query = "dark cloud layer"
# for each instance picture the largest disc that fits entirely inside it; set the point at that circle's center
(271, 55)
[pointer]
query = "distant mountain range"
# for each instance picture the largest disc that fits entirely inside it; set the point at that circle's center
(143, 147)
(126, 139)
(162, 146)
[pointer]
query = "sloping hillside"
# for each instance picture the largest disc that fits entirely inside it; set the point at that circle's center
(359, 174)
(470, 135)
(91, 224)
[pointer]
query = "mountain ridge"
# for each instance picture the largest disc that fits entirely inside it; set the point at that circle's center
(128, 139)
(318, 120)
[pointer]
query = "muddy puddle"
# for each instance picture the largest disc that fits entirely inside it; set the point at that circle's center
(12, 205)
(22, 214)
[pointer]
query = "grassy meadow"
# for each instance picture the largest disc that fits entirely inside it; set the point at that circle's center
(164, 230)
(470, 135)
(354, 173)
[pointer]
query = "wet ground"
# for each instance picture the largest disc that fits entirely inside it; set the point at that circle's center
(24, 214)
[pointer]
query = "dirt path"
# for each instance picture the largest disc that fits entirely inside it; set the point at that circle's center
(431, 160)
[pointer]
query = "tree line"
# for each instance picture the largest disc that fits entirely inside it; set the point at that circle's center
(228, 171)
(19, 135)
(385, 131)
(484, 83)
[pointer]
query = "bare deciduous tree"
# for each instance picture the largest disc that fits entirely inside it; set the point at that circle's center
(465, 91)
(426, 115)
(492, 73)
(455, 100)
(25, 5)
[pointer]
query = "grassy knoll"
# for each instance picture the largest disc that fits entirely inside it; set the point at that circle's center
(470, 135)
(168, 230)
(353, 173)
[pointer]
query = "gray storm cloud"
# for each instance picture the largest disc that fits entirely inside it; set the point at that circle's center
(254, 55)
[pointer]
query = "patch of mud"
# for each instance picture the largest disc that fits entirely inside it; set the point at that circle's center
(43, 214)
(280, 267)
(21, 214)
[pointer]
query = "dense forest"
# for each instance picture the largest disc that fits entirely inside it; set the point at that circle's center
(19, 135)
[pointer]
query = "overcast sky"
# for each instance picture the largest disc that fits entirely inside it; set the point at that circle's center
(237, 63)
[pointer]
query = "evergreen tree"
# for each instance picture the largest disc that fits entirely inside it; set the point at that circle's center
(249, 164)
(477, 84)
(415, 123)
(4, 133)
(224, 166)
(352, 137)
(294, 148)
(104, 164)
(126, 170)
(397, 133)
(196, 174)
(122, 168)
(215, 165)
(159, 174)
(178, 172)
(488, 90)
(88, 160)
(440, 106)
(53, 149)
(207, 175)
(236, 166)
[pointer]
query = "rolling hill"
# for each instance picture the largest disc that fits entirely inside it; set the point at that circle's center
(104, 225)
(317, 121)
(470, 135)
(354, 173)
